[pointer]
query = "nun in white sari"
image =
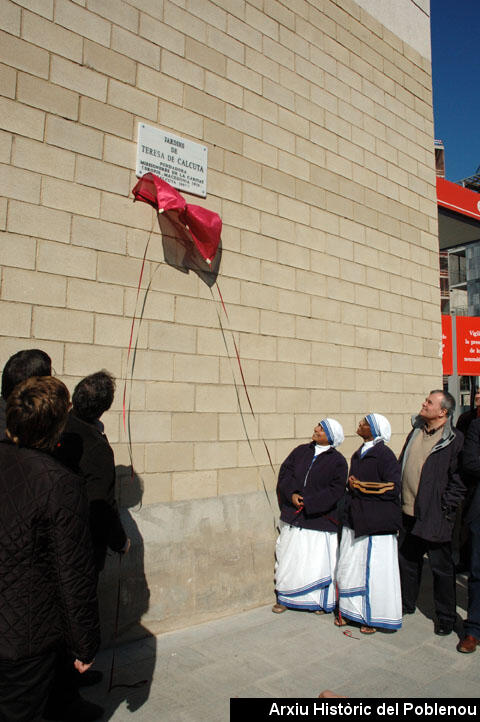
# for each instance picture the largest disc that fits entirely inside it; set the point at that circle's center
(311, 482)
(367, 574)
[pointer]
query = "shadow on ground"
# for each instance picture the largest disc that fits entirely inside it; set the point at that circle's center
(123, 599)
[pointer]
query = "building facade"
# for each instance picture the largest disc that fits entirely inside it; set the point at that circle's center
(317, 116)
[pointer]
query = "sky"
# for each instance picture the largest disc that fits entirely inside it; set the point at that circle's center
(455, 28)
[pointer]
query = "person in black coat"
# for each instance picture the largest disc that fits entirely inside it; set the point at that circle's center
(47, 580)
(84, 445)
(461, 540)
(471, 465)
(367, 575)
(465, 419)
(311, 482)
(431, 493)
(84, 448)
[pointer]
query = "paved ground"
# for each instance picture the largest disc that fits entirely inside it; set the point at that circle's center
(193, 672)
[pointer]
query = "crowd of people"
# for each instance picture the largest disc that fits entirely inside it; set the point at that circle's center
(58, 517)
(352, 541)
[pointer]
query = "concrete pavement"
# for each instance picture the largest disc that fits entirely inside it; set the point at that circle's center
(192, 673)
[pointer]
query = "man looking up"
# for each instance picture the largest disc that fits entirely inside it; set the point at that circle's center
(431, 492)
(85, 444)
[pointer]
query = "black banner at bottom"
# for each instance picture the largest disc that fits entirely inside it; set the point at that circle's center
(309, 709)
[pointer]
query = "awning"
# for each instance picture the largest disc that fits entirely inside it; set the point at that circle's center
(458, 215)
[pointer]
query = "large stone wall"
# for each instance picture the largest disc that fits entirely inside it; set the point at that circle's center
(318, 123)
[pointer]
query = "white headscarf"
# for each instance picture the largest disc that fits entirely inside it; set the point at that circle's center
(333, 430)
(379, 426)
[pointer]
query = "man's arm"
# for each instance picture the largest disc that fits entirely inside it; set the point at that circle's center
(471, 450)
(455, 488)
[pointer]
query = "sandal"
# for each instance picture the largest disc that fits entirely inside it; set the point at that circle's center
(367, 630)
(340, 622)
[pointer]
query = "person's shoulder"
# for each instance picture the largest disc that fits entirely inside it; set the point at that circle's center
(475, 426)
(386, 451)
(460, 437)
(94, 441)
(467, 416)
(296, 453)
(51, 464)
(338, 456)
(39, 467)
(78, 426)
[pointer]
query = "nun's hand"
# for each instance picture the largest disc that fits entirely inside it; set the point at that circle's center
(297, 500)
(351, 480)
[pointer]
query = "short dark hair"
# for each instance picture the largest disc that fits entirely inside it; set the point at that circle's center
(93, 395)
(37, 411)
(22, 365)
(447, 402)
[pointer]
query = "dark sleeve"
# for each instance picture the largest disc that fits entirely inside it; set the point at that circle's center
(471, 449)
(464, 421)
(72, 555)
(3, 421)
(391, 472)
(319, 500)
(98, 468)
(288, 483)
(455, 488)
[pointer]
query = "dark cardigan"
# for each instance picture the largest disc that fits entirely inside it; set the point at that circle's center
(321, 482)
(369, 513)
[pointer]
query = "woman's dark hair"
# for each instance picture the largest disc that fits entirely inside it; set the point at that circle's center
(23, 365)
(37, 411)
(93, 395)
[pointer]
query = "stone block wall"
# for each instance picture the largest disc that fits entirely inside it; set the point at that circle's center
(318, 123)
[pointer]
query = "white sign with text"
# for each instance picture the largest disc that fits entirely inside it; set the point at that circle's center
(178, 161)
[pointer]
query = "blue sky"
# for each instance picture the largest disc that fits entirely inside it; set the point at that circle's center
(456, 83)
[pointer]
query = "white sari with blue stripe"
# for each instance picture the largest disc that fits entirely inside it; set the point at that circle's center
(305, 568)
(368, 580)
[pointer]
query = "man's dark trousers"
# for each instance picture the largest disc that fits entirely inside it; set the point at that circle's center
(472, 624)
(410, 557)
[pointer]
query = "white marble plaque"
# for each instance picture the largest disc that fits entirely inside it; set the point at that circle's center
(180, 162)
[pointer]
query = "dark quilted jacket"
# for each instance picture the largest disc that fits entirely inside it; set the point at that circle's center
(47, 580)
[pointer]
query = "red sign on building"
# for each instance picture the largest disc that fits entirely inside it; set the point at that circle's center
(457, 198)
(468, 345)
(447, 360)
